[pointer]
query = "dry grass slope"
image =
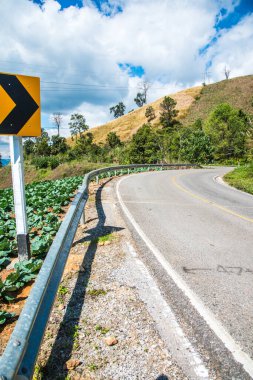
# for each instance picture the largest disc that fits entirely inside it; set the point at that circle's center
(192, 103)
(128, 124)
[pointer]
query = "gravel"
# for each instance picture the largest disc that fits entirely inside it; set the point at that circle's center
(97, 306)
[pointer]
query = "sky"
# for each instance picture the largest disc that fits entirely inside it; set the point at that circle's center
(91, 54)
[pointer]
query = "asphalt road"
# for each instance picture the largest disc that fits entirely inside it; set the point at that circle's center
(204, 231)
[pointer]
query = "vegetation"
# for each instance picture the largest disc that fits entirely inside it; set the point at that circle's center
(241, 178)
(77, 125)
(140, 99)
(168, 114)
(228, 129)
(45, 205)
(150, 113)
(118, 110)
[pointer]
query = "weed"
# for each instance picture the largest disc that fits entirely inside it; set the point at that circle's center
(75, 335)
(62, 291)
(92, 367)
(101, 329)
(38, 372)
(96, 292)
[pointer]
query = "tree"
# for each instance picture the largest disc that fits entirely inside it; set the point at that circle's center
(113, 140)
(77, 125)
(57, 119)
(29, 146)
(228, 129)
(168, 113)
(140, 99)
(58, 145)
(118, 110)
(150, 113)
(226, 72)
(42, 144)
(144, 87)
(144, 147)
(194, 145)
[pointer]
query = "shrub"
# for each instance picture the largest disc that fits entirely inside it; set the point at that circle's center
(45, 162)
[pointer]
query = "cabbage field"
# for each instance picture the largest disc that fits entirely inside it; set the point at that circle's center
(46, 204)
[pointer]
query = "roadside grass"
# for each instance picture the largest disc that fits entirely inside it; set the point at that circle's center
(241, 178)
(64, 170)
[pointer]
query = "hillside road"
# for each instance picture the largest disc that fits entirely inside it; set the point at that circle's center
(203, 229)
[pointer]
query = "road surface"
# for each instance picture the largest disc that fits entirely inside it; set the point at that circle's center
(203, 230)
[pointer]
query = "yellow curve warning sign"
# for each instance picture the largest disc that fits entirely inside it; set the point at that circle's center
(19, 105)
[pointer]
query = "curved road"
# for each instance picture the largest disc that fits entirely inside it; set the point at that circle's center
(203, 229)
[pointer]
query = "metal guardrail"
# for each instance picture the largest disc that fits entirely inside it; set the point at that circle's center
(19, 357)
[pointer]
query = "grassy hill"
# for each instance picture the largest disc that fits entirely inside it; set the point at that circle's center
(128, 124)
(193, 103)
(237, 91)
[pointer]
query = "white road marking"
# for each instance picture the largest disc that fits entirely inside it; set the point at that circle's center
(167, 325)
(239, 355)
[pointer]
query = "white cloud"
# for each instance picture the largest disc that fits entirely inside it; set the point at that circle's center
(83, 47)
(234, 49)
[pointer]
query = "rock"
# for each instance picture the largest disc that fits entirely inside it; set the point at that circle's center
(61, 307)
(82, 269)
(111, 341)
(83, 226)
(107, 242)
(72, 363)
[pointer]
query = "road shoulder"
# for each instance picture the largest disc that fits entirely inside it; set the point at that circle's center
(100, 327)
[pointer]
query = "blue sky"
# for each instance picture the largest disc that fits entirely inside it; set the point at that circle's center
(92, 54)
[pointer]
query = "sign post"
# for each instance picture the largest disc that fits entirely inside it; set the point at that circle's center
(17, 167)
(19, 116)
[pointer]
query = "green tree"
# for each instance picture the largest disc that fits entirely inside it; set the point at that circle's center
(194, 145)
(29, 146)
(77, 125)
(168, 114)
(140, 99)
(42, 145)
(113, 140)
(150, 113)
(228, 129)
(144, 147)
(58, 145)
(118, 110)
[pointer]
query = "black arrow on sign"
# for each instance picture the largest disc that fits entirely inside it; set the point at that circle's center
(25, 105)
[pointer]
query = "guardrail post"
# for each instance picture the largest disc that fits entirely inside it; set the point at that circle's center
(115, 173)
(97, 180)
(128, 171)
(121, 172)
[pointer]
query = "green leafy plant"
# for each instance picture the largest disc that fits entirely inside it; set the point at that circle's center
(4, 316)
(25, 271)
